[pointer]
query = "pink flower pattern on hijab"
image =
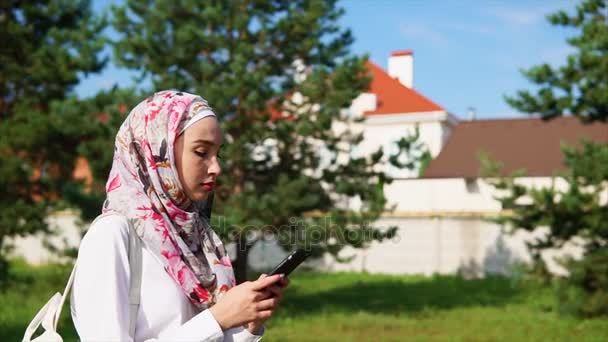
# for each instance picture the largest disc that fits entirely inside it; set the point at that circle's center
(143, 186)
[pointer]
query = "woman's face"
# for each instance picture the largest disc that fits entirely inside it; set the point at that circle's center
(196, 157)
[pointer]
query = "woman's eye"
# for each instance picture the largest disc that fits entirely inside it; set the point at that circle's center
(201, 154)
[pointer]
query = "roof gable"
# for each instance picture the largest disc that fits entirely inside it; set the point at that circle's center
(395, 98)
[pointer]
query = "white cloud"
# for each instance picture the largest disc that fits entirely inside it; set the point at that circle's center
(518, 17)
(555, 56)
(468, 28)
(423, 32)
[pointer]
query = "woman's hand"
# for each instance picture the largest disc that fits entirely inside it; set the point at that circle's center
(248, 302)
(273, 291)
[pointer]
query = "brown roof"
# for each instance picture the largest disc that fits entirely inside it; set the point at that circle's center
(530, 144)
(395, 98)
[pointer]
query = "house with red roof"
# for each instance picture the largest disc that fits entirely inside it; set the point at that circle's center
(442, 215)
(393, 109)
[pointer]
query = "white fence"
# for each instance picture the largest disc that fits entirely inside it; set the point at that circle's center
(423, 245)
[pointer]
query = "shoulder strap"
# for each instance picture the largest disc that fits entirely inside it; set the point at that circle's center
(68, 286)
(65, 294)
(135, 270)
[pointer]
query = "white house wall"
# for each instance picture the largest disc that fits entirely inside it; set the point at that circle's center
(32, 248)
(386, 136)
(452, 194)
(470, 246)
(441, 229)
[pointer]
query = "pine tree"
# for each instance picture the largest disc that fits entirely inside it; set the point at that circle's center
(279, 74)
(46, 46)
(578, 88)
(106, 111)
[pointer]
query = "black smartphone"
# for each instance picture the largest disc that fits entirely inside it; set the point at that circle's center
(290, 262)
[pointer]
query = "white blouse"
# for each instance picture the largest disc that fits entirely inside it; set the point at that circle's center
(100, 305)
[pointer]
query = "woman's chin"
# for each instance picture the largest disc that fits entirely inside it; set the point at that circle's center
(199, 196)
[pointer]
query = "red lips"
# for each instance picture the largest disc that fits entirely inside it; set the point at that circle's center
(208, 186)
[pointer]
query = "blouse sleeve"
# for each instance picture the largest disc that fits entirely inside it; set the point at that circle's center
(241, 334)
(100, 300)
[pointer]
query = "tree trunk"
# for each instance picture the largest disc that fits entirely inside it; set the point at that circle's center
(3, 264)
(240, 264)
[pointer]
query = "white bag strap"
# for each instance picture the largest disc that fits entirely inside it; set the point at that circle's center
(50, 313)
(135, 269)
(66, 292)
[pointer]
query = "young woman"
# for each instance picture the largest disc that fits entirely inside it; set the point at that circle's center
(165, 165)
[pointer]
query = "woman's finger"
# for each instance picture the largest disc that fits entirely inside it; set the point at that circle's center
(284, 282)
(267, 304)
(264, 315)
(261, 295)
(271, 291)
(276, 291)
(264, 294)
(263, 283)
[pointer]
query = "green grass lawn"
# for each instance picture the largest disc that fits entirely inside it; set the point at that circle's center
(354, 307)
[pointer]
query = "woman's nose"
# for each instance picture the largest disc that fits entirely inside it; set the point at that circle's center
(215, 168)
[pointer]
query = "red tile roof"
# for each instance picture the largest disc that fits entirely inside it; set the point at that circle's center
(530, 144)
(402, 53)
(393, 97)
(273, 108)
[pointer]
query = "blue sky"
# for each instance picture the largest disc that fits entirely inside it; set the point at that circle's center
(466, 53)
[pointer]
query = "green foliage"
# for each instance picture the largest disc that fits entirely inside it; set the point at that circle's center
(425, 160)
(411, 153)
(288, 167)
(585, 292)
(46, 46)
(106, 110)
(355, 307)
(25, 291)
(580, 86)
(578, 211)
(572, 211)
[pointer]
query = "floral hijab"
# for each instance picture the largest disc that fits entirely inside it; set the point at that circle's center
(143, 186)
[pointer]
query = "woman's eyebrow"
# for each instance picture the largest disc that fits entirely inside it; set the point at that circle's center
(206, 142)
(203, 141)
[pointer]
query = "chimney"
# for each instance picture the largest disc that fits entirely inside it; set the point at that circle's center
(472, 113)
(401, 67)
